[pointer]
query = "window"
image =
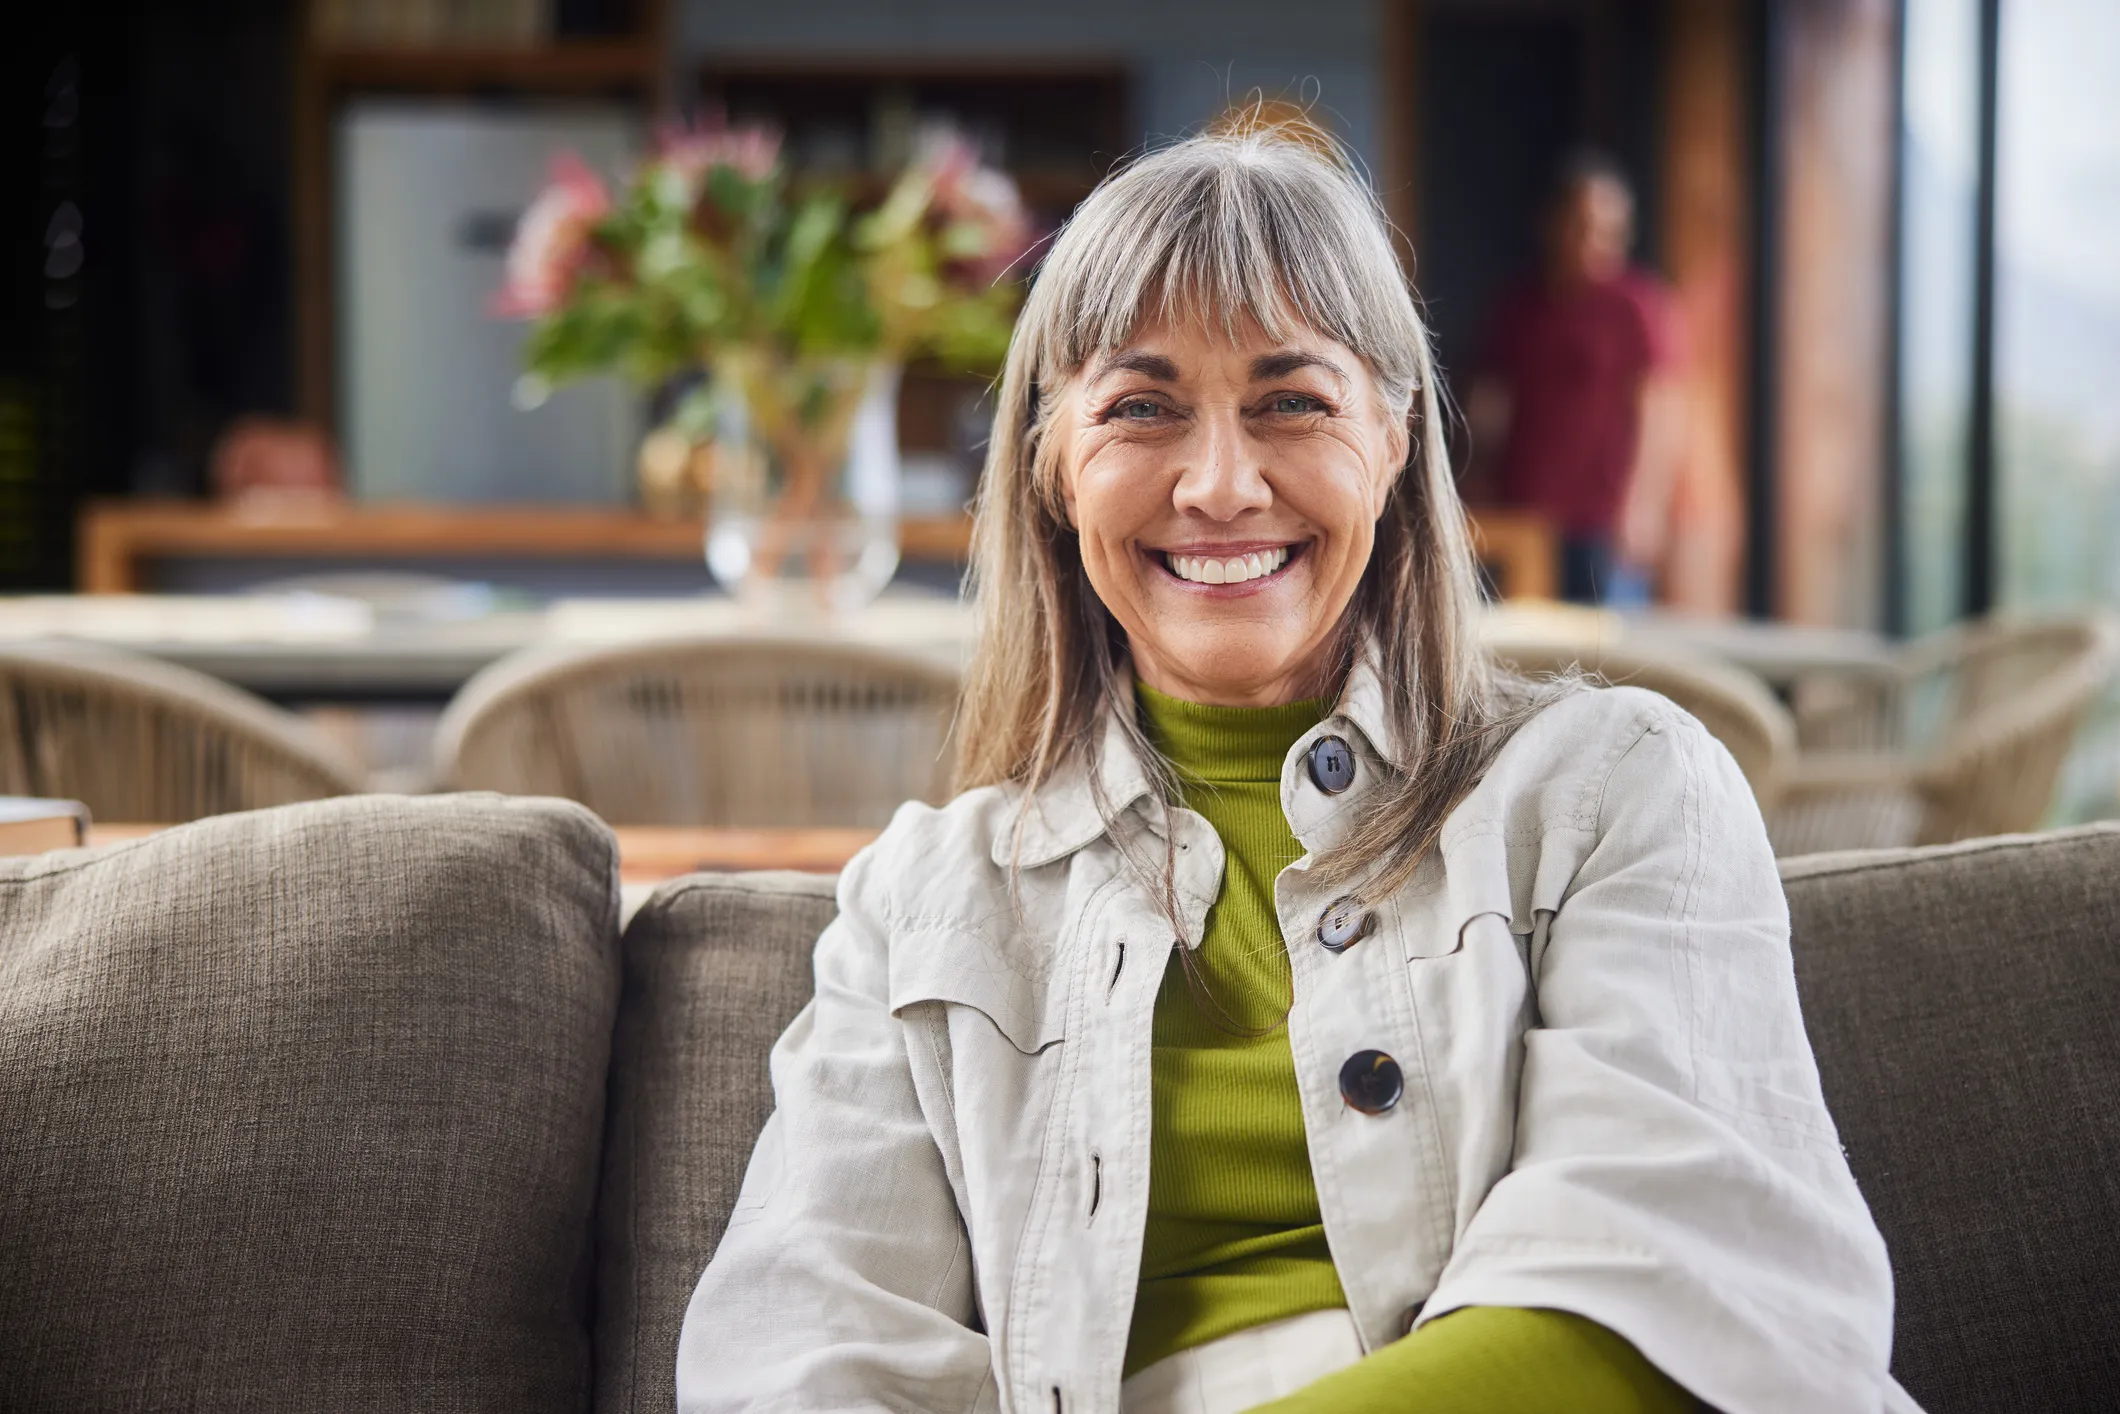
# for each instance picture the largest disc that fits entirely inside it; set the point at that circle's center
(2026, 517)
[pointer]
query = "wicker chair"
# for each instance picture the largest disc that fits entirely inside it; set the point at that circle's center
(707, 732)
(1737, 709)
(140, 740)
(1963, 736)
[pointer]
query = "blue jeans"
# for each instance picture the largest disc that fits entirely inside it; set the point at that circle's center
(1593, 573)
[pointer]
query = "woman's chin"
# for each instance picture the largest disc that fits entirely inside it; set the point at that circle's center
(1212, 669)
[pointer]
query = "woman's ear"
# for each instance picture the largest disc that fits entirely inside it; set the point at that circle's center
(1398, 446)
(1066, 477)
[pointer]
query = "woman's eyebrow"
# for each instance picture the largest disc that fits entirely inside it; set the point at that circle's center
(1287, 361)
(1148, 365)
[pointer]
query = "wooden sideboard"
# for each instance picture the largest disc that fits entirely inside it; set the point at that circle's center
(118, 538)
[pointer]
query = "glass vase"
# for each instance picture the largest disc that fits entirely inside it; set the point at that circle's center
(803, 512)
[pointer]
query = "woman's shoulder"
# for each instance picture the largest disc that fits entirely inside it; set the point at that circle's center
(1558, 763)
(940, 860)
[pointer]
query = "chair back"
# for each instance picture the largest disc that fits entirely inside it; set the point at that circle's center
(707, 731)
(1737, 709)
(140, 740)
(2014, 693)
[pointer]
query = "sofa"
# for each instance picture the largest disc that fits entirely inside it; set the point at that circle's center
(371, 1104)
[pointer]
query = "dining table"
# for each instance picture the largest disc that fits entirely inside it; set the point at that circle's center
(320, 647)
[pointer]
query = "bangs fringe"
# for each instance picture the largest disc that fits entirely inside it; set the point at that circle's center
(1268, 236)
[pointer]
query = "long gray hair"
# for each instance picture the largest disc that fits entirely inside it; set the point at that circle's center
(1271, 226)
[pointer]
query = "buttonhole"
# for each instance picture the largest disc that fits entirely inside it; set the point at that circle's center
(1096, 1181)
(1117, 968)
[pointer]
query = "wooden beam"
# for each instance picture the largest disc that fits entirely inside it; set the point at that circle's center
(118, 537)
(1400, 143)
(1706, 212)
(1838, 137)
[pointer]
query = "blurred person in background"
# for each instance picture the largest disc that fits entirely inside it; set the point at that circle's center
(1576, 395)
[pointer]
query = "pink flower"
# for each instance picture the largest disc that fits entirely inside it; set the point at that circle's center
(981, 202)
(552, 240)
(752, 151)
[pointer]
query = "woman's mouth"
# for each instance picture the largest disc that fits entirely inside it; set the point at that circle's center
(1241, 568)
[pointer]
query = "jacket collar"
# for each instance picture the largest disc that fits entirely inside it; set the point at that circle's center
(1062, 817)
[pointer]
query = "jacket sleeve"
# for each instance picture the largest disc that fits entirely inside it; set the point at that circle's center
(1677, 1178)
(844, 1280)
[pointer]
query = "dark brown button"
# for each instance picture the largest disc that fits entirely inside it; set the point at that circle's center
(1331, 764)
(1344, 923)
(1371, 1082)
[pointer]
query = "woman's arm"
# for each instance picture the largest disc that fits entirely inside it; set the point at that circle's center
(1676, 1176)
(1496, 1360)
(844, 1280)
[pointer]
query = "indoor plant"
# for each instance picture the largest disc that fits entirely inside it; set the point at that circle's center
(798, 300)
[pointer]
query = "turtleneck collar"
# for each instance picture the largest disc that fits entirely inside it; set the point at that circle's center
(1227, 744)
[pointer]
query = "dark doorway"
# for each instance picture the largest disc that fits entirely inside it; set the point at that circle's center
(1503, 93)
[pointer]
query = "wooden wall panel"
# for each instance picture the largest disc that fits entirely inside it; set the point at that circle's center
(1835, 229)
(1706, 212)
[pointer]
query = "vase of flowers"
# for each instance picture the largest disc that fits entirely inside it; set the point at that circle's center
(800, 302)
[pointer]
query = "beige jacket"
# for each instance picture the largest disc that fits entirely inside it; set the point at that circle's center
(1608, 1104)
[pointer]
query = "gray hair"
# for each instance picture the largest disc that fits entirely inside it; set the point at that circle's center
(1269, 225)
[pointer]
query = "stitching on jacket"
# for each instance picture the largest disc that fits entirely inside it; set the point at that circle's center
(1786, 1126)
(1581, 817)
(938, 1027)
(1443, 1223)
(1680, 962)
(1546, 1242)
(1140, 1039)
(1029, 967)
(958, 1253)
(1747, 1302)
(1038, 1214)
(1693, 811)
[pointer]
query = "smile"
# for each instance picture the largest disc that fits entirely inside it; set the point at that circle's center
(1234, 569)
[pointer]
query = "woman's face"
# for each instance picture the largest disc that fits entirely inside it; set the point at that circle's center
(1226, 496)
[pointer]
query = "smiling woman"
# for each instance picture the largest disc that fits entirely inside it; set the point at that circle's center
(1291, 1010)
(1225, 492)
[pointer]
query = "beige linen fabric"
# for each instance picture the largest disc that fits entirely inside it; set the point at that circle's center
(1963, 1003)
(716, 967)
(301, 1110)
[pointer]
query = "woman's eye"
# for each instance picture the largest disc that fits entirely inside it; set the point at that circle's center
(1292, 404)
(1138, 409)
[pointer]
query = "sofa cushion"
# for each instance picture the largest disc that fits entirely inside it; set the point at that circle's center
(1963, 1002)
(716, 966)
(302, 1110)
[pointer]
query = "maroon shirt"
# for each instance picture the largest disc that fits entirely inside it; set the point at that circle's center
(1574, 362)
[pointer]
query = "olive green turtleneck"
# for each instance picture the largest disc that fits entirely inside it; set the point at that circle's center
(1234, 1234)
(1235, 1238)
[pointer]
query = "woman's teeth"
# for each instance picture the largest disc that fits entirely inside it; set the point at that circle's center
(1202, 569)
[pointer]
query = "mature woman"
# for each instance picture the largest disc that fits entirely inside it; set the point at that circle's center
(1290, 1009)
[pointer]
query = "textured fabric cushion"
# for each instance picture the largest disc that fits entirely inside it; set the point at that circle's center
(716, 967)
(301, 1110)
(1964, 1002)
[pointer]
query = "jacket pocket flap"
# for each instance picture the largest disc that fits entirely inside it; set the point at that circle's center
(1482, 875)
(1012, 989)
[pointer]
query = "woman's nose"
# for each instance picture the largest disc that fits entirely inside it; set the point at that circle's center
(1222, 477)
